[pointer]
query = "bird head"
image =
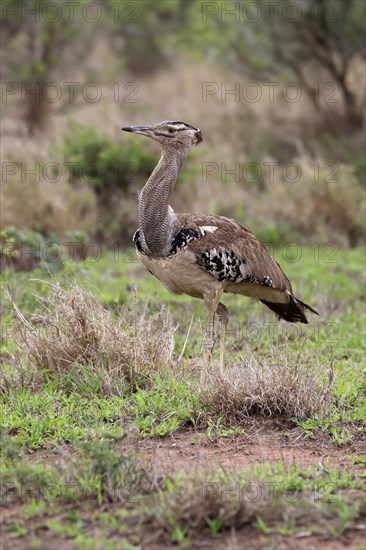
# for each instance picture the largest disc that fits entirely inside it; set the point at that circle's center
(169, 133)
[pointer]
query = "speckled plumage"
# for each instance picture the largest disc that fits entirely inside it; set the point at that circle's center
(204, 255)
(233, 257)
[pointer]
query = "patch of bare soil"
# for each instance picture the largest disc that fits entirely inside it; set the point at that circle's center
(247, 539)
(191, 450)
(250, 539)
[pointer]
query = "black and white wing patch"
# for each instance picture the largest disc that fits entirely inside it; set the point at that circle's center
(186, 235)
(182, 239)
(225, 266)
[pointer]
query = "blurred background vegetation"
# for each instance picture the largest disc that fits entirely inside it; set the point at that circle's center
(277, 90)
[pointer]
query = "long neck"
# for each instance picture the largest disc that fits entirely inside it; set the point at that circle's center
(156, 217)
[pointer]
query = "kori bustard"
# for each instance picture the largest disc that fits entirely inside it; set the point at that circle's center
(203, 255)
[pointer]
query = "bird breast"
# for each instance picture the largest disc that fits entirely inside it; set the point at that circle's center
(180, 274)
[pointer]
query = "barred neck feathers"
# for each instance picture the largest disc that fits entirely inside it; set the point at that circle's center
(157, 218)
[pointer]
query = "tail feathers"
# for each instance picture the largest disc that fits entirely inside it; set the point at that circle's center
(292, 312)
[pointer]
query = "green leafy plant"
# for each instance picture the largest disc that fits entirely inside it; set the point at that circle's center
(103, 163)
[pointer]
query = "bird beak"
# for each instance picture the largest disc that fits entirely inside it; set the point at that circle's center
(143, 130)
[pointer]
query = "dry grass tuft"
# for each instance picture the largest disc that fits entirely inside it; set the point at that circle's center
(204, 505)
(72, 333)
(278, 385)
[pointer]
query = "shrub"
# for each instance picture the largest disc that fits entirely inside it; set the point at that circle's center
(112, 171)
(102, 163)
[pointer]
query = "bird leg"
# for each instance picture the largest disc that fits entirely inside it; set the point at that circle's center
(212, 301)
(223, 314)
(209, 337)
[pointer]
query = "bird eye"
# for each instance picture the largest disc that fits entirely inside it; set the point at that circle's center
(171, 130)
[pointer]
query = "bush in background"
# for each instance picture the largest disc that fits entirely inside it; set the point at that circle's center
(112, 171)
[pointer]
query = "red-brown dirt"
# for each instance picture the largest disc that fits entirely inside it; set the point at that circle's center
(192, 451)
(187, 451)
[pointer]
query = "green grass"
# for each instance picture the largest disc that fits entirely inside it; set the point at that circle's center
(335, 340)
(115, 491)
(69, 413)
(49, 417)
